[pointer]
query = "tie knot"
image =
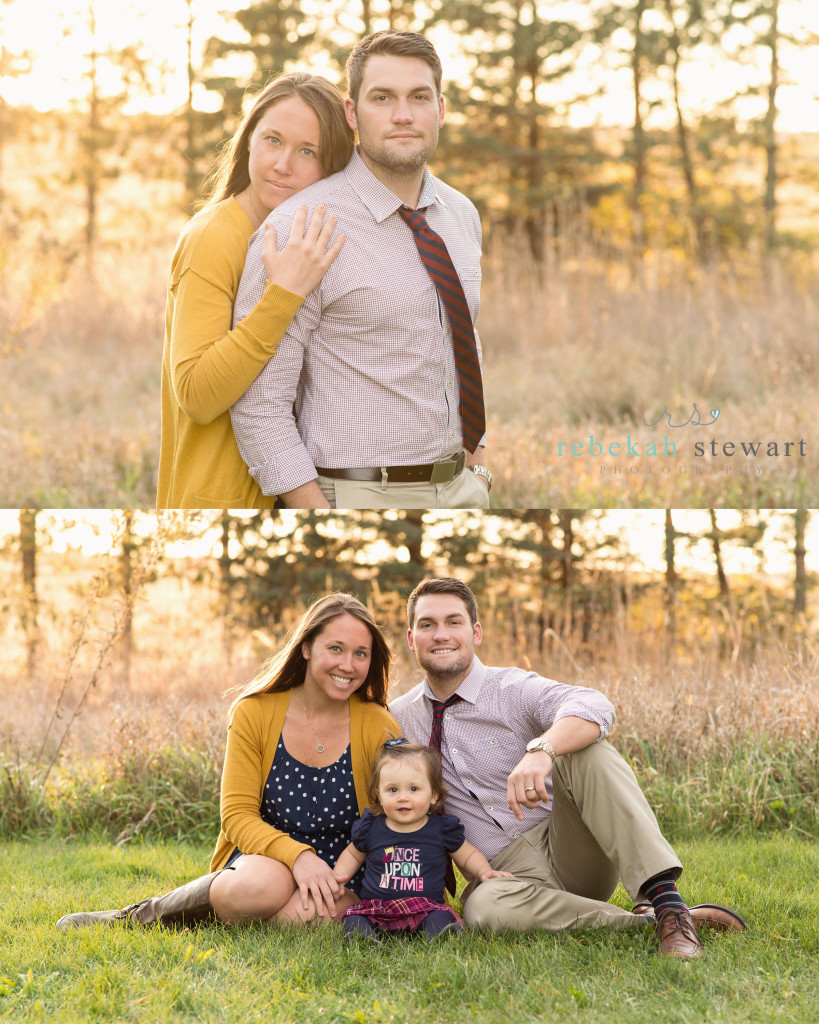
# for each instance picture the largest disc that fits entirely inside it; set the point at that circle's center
(439, 706)
(415, 218)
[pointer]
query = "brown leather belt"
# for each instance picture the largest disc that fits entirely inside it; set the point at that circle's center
(431, 473)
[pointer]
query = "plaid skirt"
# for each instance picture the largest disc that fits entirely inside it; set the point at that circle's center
(398, 915)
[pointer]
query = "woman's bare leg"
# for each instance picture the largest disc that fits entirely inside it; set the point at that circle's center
(256, 889)
(293, 911)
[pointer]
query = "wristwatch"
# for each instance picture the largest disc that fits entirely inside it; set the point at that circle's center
(539, 744)
(484, 472)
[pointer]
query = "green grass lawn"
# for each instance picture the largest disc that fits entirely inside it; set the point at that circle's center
(262, 973)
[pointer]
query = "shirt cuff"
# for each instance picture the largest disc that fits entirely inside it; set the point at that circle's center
(286, 471)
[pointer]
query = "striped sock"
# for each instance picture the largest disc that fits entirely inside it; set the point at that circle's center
(662, 891)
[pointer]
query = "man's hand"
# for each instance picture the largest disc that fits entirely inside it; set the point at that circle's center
(495, 874)
(308, 495)
(527, 782)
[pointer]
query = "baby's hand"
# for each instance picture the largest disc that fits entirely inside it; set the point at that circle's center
(495, 874)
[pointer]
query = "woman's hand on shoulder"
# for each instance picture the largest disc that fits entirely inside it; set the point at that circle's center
(304, 260)
(315, 879)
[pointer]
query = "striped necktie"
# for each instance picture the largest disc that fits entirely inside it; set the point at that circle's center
(436, 259)
(438, 709)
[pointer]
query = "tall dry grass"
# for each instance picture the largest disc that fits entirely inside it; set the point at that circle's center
(593, 343)
(722, 735)
(596, 346)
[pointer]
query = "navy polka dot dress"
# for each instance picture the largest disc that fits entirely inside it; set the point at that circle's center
(316, 806)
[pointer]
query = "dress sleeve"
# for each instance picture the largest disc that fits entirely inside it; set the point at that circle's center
(211, 365)
(361, 831)
(452, 833)
(241, 794)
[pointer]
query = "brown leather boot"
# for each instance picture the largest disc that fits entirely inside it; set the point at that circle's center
(184, 906)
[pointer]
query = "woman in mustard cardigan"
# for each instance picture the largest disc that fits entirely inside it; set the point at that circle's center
(301, 739)
(294, 134)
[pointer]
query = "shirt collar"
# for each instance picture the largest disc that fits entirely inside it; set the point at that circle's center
(374, 194)
(470, 688)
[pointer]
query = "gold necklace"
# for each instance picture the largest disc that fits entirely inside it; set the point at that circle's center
(319, 744)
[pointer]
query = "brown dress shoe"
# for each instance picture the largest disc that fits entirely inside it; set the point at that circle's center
(705, 915)
(678, 937)
(712, 915)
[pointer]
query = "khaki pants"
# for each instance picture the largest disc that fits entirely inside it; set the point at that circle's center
(601, 829)
(466, 490)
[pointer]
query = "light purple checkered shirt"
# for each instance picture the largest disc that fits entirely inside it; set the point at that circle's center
(367, 366)
(485, 736)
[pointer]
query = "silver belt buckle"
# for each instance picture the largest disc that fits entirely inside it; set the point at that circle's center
(443, 472)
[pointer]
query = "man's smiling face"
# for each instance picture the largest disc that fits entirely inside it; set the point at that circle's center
(442, 637)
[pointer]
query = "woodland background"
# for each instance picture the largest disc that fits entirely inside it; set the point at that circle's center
(118, 664)
(660, 261)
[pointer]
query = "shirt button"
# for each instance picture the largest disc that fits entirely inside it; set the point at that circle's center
(452, 433)
(454, 751)
(490, 807)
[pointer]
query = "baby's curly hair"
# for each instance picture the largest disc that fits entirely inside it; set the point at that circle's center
(401, 749)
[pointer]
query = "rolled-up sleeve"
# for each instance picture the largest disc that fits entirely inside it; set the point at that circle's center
(546, 702)
(263, 419)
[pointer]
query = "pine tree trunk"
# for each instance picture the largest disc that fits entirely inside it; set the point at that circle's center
(684, 139)
(30, 603)
(724, 587)
(638, 132)
(800, 589)
(191, 172)
(126, 579)
(543, 517)
(225, 588)
(91, 146)
(770, 132)
(670, 581)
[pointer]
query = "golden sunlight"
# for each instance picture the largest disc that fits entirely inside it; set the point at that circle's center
(59, 35)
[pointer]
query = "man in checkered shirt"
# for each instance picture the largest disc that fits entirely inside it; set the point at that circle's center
(539, 790)
(360, 406)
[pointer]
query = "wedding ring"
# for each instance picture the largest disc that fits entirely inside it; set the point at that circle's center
(530, 788)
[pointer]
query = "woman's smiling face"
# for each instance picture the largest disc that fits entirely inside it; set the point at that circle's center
(338, 659)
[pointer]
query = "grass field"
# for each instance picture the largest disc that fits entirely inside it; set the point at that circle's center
(261, 973)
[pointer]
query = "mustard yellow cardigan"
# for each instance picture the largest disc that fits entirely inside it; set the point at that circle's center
(206, 366)
(253, 734)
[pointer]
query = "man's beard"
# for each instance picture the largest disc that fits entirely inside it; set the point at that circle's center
(455, 668)
(393, 160)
